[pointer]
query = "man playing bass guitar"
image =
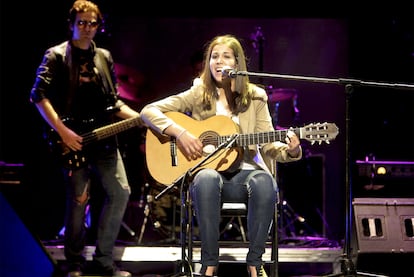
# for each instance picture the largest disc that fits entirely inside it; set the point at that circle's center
(76, 81)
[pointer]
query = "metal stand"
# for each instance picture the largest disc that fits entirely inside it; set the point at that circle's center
(156, 224)
(88, 224)
(145, 220)
(347, 266)
(185, 264)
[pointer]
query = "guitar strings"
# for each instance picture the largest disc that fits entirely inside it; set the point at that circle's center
(247, 138)
(88, 138)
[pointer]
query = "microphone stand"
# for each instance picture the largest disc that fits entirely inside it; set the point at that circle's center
(347, 267)
(186, 213)
(234, 73)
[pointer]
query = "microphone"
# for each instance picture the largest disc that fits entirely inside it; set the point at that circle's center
(229, 72)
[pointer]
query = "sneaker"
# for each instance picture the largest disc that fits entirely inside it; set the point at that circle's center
(261, 272)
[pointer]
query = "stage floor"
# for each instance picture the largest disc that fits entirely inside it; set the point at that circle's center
(159, 260)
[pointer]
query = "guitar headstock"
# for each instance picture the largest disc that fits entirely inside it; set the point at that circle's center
(319, 132)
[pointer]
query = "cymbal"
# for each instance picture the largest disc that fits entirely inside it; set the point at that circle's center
(129, 81)
(281, 94)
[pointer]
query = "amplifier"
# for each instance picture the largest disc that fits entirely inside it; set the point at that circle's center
(384, 224)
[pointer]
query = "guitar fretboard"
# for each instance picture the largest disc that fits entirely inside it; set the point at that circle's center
(110, 130)
(259, 138)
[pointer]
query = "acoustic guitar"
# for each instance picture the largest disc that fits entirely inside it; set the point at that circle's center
(167, 164)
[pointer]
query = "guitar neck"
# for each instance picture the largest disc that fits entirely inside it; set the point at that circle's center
(110, 130)
(316, 132)
(260, 138)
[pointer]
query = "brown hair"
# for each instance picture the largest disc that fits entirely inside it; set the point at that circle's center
(243, 99)
(80, 6)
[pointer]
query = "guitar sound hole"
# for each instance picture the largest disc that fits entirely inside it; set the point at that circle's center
(210, 142)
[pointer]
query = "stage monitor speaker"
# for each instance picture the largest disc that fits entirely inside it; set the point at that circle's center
(21, 254)
(384, 225)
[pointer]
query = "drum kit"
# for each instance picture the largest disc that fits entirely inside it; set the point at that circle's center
(131, 84)
(277, 98)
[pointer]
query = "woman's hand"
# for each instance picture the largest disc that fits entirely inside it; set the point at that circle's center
(293, 143)
(189, 145)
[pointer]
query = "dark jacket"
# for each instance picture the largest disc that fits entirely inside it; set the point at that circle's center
(58, 74)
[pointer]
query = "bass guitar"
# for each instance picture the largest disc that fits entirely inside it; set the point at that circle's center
(166, 171)
(77, 159)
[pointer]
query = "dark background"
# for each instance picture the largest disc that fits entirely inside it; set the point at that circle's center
(336, 41)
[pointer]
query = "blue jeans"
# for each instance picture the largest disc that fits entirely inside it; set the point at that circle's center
(210, 189)
(109, 170)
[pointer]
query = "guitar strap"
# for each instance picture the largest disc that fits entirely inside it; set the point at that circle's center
(67, 60)
(105, 68)
(111, 89)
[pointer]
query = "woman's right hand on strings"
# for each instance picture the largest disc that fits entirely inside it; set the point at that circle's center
(189, 145)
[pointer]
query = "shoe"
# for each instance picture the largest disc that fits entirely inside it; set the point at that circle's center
(260, 271)
(74, 270)
(203, 274)
(113, 271)
(75, 273)
(121, 273)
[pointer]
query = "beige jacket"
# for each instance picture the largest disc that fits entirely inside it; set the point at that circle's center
(255, 119)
